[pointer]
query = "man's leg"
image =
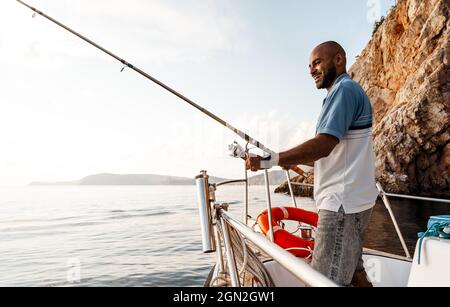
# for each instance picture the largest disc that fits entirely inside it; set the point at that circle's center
(338, 245)
(360, 277)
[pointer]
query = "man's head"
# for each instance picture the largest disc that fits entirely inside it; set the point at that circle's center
(327, 61)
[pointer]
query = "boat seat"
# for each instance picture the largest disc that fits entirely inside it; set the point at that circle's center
(434, 267)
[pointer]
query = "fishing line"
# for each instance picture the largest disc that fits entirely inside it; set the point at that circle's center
(243, 135)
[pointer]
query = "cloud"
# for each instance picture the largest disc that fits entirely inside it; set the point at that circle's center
(302, 132)
(277, 130)
(150, 31)
(198, 24)
(156, 31)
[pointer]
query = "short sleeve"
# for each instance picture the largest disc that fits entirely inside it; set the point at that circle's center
(339, 113)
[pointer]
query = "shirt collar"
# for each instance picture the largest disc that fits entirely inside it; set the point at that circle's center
(340, 78)
(337, 81)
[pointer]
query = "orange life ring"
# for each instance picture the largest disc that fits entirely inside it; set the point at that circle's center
(294, 244)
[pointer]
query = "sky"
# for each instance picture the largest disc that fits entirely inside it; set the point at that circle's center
(67, 110)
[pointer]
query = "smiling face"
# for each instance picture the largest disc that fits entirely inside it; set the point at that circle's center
(326, 63)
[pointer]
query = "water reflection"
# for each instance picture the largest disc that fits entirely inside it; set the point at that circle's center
(412, 217)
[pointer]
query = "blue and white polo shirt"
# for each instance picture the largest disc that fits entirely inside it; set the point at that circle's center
(347, 176)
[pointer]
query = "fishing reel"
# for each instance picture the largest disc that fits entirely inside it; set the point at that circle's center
(237, 151)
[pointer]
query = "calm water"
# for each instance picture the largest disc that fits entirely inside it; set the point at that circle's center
(136, 236)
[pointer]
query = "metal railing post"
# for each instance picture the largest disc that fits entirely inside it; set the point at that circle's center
(219, 249)
(246, 197)
(230, 255)
(288, 176)
(269, 204)
(391, 213)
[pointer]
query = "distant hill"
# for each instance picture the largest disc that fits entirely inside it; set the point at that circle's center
(130, 179)
(275, 178)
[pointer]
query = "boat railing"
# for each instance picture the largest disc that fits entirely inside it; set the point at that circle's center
(387, 204)
(385, 198)
(218, 218)
(216, 227)
(299, 268)
(438, 200)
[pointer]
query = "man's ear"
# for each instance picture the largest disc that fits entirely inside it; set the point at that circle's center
(339, 60)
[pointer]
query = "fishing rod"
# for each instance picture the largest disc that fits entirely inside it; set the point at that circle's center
(243, 135)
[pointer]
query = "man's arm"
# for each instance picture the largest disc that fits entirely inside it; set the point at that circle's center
(310, 151)
(307, 153)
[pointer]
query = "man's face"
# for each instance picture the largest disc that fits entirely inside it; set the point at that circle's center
(322, 68)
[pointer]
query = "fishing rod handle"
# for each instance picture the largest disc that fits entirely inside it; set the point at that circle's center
(298, 170)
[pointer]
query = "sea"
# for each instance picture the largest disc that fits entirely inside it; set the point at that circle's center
(140, 236)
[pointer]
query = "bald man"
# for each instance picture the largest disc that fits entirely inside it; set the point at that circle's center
(343, 160)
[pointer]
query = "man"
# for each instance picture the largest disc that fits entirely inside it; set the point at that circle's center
(342, 153)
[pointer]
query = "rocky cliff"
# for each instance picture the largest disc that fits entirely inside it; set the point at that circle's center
(405, 71)
(302, 191)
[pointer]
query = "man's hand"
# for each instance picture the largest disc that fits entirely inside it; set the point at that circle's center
(253, 163)
(258, 163)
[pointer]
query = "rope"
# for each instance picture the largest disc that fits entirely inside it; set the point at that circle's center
(435, 230)
(308, 249)
(244, 262)
(253, 265)
(246, 259)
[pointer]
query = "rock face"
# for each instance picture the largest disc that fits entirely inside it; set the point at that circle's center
(302, 191)
(405, 71)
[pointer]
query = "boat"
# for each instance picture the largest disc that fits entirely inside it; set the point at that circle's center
(245, 257)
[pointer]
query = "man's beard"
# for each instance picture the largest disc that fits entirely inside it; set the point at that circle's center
(328, 78)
